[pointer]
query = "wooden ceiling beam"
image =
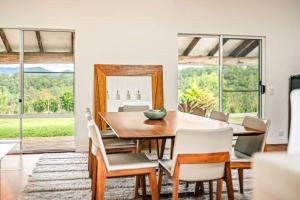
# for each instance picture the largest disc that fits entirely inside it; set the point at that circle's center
(39, 40)
(5, 41)
(250, 48)
(191, 46)
(30, 57)
(214, 61)
(240, 48)
(216, 48)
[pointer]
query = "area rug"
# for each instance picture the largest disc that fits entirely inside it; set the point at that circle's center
(64, 176)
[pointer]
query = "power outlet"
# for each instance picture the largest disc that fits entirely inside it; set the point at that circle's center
(281, 133)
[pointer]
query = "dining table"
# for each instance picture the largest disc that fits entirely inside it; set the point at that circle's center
(134, 125)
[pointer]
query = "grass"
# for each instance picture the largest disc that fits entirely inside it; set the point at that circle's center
(9, 128)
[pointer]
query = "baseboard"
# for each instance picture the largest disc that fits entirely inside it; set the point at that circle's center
(277, 141)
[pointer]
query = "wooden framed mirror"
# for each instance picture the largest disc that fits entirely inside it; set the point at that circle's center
(103, 71)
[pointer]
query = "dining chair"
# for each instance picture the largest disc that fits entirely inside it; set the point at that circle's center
(112, 143)
(199, 155)
(199, 111)
(294, 140)
(221, 116)
(246, 146)
(118, 165)
(104, 134)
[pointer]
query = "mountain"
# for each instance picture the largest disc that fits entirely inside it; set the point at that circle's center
(36, 69)
(9, 70)
(14, 70)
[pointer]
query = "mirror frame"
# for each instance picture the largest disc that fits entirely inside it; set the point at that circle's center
(101, 71)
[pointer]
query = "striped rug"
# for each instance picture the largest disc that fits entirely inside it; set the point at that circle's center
(64, 176)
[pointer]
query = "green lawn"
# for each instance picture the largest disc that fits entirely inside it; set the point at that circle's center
(9, 128)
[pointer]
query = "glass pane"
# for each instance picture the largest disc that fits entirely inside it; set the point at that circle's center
(49, 72)
(9, 72)
(198, 74)
(240, 78)
(48, 89)
(128, 90)
(48, 134)
(48, 93)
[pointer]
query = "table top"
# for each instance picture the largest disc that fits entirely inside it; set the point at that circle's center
(134, 125)
(5, 148)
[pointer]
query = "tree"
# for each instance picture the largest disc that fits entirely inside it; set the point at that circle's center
(40, 105)
(53, 105)
(67, 101)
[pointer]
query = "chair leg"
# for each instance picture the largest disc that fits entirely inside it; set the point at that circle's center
(94, 176)
(199, 188)
(187, 184)
(150, 146)
(241, 180)
(162, 150)
(157, 148)
(137, 186)
(90, 158)
(211, 190)
(172, 147)
(175, 188)
(160, 177)
(143, 184)
(101, 177)
(228, 178)
(219, 189)
(153, 185)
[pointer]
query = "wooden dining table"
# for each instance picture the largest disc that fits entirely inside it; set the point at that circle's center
(134, 125)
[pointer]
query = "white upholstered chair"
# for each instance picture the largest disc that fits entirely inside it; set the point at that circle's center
(219, 116)
(200, 155)
(246, 146)
(118, 165)
(294, 140)
(104, 134)
(135, 108)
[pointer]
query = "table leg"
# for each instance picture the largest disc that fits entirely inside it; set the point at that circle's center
(162, 149)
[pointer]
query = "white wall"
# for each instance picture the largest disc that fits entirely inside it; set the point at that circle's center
(145, 32)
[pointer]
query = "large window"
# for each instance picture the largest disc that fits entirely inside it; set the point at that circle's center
(37, 88)
(220, 73)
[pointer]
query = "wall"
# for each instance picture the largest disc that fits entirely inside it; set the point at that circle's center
(145, 32)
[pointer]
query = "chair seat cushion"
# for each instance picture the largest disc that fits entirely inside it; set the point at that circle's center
(108, 134)
(129, 161)
(239, 157)
(118, 143)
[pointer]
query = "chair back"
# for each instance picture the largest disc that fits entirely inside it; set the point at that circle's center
(219, 116)
(97, 142)
(199, 111)
(249, 145)
(197, 141)
(294, 140)
(135, 108)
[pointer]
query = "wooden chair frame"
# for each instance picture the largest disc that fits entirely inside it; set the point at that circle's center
(102, 174)
(209, 158)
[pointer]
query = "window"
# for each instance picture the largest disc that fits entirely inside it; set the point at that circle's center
(220, 73)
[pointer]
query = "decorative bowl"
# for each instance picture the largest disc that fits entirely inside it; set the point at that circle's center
(155, 114)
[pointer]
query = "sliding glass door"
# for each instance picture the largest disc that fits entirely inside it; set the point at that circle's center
(10, 85)
(37, 89)
(221, 73)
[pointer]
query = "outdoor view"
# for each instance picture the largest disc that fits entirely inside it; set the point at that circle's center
(46, 117)
(198, 82)
(47, 89)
